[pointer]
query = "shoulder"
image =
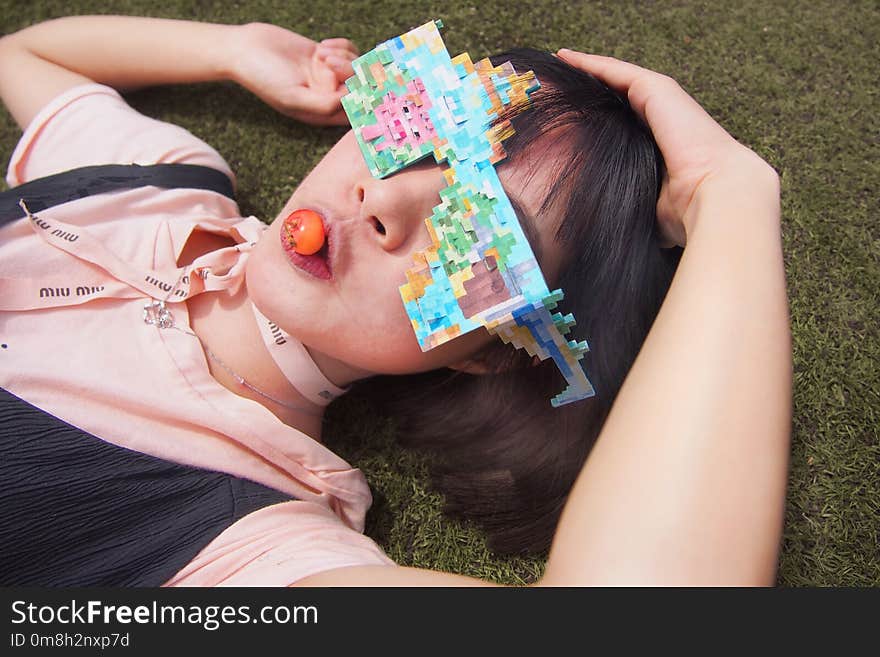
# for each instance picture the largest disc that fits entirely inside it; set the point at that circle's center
(91, 124)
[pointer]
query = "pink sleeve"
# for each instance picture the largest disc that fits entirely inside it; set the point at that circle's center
(91, 124)
(278, 546)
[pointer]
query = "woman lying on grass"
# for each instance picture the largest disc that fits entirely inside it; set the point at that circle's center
(201, 348)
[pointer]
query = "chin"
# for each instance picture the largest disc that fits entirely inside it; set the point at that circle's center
(382, 355)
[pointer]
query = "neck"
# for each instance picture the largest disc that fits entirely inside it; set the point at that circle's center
(310, 418)
(312, 423)
(228, 328)
(340, 374)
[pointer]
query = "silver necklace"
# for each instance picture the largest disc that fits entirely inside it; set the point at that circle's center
(157, 314)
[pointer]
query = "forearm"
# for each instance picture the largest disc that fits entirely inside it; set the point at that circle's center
(129, 52)
(686, 483)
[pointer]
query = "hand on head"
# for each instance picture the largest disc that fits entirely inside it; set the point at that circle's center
(299, 77)
(697, 151)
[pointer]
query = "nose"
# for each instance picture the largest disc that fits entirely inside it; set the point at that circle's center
(394, 209)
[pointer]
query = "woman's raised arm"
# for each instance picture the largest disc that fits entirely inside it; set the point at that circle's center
(293, 74)
(686, 483)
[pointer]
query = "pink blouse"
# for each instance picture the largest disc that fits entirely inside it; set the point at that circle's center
(73, 285)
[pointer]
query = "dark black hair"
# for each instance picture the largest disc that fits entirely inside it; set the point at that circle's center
(503, 456)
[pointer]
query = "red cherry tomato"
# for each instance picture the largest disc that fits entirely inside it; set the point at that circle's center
(304, 231)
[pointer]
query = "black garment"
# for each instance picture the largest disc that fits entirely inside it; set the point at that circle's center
(76, 510)
(86, 181)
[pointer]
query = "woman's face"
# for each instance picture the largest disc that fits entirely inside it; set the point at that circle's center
(374, 227)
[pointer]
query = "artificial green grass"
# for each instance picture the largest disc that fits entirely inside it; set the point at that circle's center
(795, 81)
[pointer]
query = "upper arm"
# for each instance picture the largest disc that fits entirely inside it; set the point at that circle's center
(28, 83)
(87, 124)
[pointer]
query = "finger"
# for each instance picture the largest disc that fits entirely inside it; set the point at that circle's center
(341, 44)
(324, 53)
(322, 77)
(635, 82)
(341, 66)
(674, 117)
(616, 73)
(339, 61)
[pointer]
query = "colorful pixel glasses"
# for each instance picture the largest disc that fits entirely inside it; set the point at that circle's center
(408, 99)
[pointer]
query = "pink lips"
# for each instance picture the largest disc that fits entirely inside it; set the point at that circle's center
(318, 264)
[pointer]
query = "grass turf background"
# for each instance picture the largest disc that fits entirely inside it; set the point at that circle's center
(797, 82)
